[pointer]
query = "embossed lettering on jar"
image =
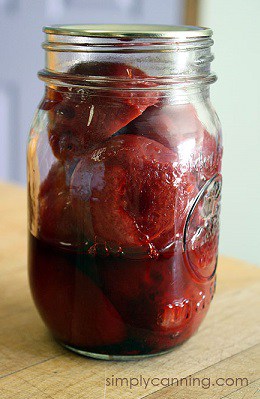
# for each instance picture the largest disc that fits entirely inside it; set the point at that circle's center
(124, 186)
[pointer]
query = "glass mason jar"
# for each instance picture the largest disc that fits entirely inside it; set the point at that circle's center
(124, 183)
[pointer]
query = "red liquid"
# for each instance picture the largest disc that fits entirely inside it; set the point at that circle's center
(113, 305)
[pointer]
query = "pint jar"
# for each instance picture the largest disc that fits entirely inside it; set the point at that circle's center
(124, 184)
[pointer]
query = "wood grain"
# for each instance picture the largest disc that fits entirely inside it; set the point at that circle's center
(32, 365)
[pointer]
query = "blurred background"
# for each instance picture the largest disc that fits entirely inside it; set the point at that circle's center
(235, 95)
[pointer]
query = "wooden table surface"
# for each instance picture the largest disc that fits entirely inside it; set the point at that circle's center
(32, 365)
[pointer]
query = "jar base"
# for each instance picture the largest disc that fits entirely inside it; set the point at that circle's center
(102, 356)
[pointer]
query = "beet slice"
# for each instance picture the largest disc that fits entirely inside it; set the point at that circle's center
(179, 128)
(210, 157)
(73, 307)
(157, 299)
(81, 120)
(170, 125)
(137, 194)
(203, 258)
(50, 100)
(202, 231)
(130, 284)
(57, 223)
(95, 320)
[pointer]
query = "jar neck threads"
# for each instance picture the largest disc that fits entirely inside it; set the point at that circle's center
(178, 57)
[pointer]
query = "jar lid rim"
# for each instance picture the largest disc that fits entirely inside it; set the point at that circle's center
(130, 31)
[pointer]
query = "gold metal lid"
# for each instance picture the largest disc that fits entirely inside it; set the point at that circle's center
(130, 31)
